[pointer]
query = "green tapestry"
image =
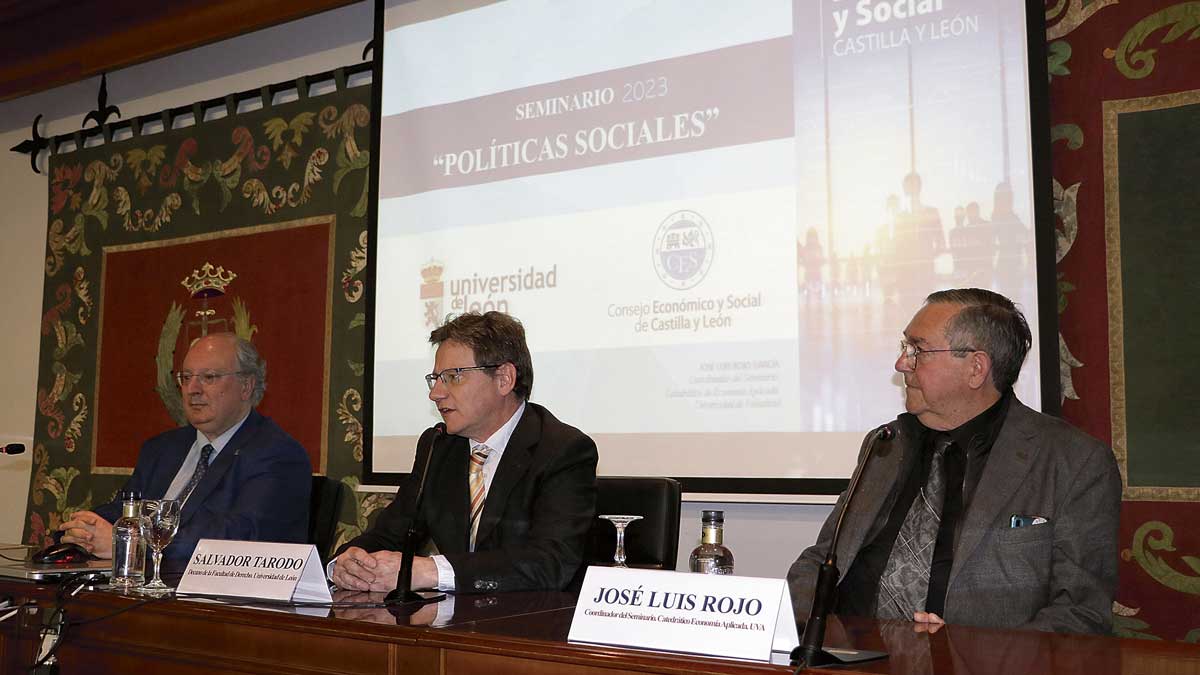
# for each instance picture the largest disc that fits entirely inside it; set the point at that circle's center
(1158, 165)
(251, 222)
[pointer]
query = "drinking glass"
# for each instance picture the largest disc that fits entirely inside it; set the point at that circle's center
(620, 522)
(160, 518)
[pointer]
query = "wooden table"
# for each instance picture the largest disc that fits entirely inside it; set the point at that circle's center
(498, 635)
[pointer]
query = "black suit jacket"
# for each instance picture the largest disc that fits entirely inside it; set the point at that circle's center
(539, 508)
(1059, 575)
(257, 489)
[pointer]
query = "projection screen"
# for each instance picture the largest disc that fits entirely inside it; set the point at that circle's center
(714, 219)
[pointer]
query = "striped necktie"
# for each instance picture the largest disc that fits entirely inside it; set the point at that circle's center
(479, 455)
(197, 475)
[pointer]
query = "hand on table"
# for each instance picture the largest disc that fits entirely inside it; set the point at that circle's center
(361, 571)
(90, 531)
(927, 622)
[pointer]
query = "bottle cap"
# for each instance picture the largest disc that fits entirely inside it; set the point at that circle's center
(130, 495)
(714, 517)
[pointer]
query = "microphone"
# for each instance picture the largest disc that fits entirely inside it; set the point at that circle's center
(810, 652)
(12, 449)
(403, 593)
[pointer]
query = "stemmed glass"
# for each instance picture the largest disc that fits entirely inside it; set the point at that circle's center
(620, 522)
(160, 520)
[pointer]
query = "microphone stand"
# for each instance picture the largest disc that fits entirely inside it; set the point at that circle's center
(403, 593)
(810, 653)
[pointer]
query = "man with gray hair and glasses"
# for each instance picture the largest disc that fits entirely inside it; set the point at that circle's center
(978, 510)
(237, 474)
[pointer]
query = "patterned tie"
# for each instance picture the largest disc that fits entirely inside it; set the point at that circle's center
(479, 455)
(904, 585)
(201, 466)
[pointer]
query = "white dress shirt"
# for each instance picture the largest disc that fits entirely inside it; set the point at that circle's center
(193, 457)
(497, 442)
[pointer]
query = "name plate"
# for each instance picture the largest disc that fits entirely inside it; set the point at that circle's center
(708, 614)
(256, 569)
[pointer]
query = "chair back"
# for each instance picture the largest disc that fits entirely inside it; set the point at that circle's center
(653, 541)
(324, 506)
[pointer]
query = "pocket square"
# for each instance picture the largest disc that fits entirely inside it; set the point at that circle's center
(1025, 521)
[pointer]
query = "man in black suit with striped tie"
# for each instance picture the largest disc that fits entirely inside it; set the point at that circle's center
(510, 492)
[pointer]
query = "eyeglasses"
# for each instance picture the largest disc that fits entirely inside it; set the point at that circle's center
(909, 352)
(452, 376)
(208, 379)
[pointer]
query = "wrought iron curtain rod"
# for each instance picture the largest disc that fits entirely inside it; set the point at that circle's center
(302, 85)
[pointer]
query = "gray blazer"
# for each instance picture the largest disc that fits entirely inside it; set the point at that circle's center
(1057, 576)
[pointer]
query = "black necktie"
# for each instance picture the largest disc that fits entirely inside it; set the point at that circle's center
(904, 584)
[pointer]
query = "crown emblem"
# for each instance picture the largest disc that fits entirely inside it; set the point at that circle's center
(207, 281)
(431, 273)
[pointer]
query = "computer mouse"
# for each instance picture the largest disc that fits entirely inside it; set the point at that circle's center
(61, 554)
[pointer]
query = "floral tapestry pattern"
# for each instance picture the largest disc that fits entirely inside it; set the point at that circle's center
(276, 169)
(1102, 53)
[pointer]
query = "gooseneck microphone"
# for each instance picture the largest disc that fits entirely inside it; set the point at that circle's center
(403, 592)
(810, 652)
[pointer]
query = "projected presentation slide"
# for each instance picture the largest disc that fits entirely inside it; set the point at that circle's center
(714, 219)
